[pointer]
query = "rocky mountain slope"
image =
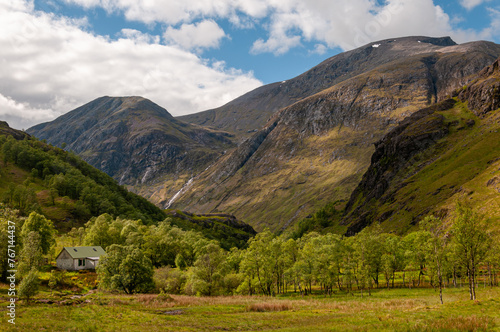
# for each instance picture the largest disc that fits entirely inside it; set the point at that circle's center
(440, 155)
(315, 150)
(251, 111)
(136, 142)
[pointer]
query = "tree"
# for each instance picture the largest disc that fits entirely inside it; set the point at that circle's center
(437, 248)
(29, 286)
(125, 268)
(31, 253)
(97, 232)
(38, 223)
(258, 263)
(414, 245)
(472, 242)
(209, 270)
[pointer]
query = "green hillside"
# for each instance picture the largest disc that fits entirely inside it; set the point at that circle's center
(36, 176)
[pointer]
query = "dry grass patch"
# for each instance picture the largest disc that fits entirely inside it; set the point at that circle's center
(270, 306)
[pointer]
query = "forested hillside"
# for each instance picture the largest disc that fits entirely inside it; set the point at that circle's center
(38, 177)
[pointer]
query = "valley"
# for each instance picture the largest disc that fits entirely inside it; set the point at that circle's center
(368, 199)
(281, 152)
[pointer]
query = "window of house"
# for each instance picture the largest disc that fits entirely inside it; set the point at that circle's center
(81, 262)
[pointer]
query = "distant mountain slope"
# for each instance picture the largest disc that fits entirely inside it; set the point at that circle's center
(316, 150)
(436, 157)
(251, 111)
(137, 142)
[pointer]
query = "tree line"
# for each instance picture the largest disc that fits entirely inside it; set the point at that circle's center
(145, 258)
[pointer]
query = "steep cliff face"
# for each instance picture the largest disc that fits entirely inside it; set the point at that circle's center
(315, 150)
(135, 141)
(484, 95)
(439, 155)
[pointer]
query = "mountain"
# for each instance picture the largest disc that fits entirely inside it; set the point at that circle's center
(36, 176)
(315, 150)
(251, 112)
(136, 142)
(440, 155)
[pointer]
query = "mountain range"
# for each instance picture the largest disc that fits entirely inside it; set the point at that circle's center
(277, 154)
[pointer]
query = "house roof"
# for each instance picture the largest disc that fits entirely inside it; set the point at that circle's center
(84, 252)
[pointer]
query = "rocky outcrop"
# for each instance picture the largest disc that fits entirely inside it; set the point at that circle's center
(448, 71)
(392, 153)
(483, 95)
(410, 176)
(229, 231)
(6, 130)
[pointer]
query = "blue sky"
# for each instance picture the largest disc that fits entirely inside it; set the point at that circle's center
(193, 55)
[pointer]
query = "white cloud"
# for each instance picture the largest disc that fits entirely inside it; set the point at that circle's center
(139, 36)
(319, 49)
(22, 115)
(470, 4)
(340, 23)
(204, 34)
(50, 65)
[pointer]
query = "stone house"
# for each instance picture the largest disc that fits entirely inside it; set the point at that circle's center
(79, 258)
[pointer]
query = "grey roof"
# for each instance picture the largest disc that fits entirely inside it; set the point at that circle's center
(84, 252)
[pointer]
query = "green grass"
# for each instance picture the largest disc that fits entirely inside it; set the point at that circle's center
(385, 310)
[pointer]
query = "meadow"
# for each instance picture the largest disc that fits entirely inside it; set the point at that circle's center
(398, 309)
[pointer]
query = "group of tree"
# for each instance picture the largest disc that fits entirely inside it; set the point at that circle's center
(66, 175)
(441, 254)
(141, 257)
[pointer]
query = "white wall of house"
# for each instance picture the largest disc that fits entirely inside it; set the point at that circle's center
(65, 261)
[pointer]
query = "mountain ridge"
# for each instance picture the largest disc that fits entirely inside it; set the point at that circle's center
(254, 108)
(313, 150)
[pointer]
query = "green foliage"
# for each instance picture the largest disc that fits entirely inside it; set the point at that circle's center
(229, 233)
(472, 242)
(41, 225)
(63, 174)
(169, 280)
(31, 254)
(127, 269)
(29, 286)
(324, 218)
(209, 271)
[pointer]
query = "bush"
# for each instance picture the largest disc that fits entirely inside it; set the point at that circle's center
(29, 286)
(169, 280)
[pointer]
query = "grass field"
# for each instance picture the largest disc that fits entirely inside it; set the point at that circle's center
(399, 309)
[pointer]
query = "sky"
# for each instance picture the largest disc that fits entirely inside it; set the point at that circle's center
(193, 55)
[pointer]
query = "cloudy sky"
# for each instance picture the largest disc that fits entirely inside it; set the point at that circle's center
(193, 55)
